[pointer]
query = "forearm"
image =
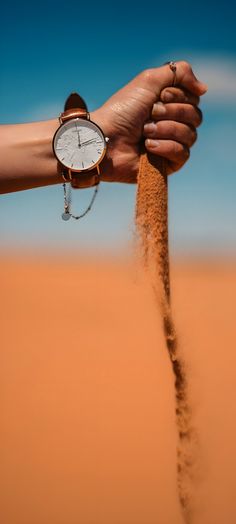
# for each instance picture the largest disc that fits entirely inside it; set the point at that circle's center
(26, 156)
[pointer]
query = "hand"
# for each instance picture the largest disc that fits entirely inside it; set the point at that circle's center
(171, 131)
(125, 114)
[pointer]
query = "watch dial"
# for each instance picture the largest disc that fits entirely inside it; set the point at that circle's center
(79, 144)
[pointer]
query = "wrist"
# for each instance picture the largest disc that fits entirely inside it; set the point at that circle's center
(106, 165)
(42, 146)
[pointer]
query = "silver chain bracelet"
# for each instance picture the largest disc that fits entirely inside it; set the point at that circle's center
(67, 214)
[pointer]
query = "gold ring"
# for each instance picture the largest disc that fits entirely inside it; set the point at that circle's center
(173, 68)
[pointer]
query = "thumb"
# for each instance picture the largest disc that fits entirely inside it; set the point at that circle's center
(186, 78)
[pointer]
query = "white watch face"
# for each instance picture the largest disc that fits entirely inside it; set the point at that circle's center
(79, 144)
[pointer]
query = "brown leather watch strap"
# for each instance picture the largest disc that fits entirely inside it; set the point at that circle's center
(82, 180)
(73, 113)
(73, 101)
(79, 180)
(75, 107)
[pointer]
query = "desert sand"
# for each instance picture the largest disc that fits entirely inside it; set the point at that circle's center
(87, 397)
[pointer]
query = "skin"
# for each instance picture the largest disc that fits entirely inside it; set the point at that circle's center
(146, 110)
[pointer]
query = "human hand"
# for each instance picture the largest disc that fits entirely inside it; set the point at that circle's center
(172, 129)
(146, 99)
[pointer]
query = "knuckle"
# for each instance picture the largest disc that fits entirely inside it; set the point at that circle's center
(184, 97)
(171, 129)
(198, 116)
(177, 148)
(181, 152)
(147, 74)
(181, 113)
(166, 129)
(186, 153)
(194, 136)
(196, 100)
(181, 95)
(185, 66)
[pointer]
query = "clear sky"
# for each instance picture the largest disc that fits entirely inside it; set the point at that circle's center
(49, 49)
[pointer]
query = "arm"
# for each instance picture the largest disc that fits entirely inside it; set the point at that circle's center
(26, 155)
(27, 159)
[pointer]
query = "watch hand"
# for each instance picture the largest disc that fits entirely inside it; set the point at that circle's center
(87, 141)
(79, 143)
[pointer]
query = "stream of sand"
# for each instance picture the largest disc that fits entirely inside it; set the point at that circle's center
(152, 228)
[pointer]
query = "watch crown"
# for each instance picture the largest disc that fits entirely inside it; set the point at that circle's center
(107, 139)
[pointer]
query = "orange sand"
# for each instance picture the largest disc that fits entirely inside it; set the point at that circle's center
(87, 417)
(152, 229)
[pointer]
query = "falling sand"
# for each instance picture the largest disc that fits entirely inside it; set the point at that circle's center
(152, 227)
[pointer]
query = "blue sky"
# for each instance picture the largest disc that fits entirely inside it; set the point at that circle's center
(52, 48)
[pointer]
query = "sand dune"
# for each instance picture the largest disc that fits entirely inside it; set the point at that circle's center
(87, 427)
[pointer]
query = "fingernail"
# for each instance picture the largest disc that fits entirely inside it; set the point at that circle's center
(159, 108)
(152, 143)
(150, 127)
(168, 96)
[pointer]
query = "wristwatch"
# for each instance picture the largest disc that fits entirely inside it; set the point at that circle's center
(79, 144)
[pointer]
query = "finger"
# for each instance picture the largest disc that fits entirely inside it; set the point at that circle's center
(170, 130)
(185, 113)
(186, 78)
(177, 94)
(160, 77)
(176, 154)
